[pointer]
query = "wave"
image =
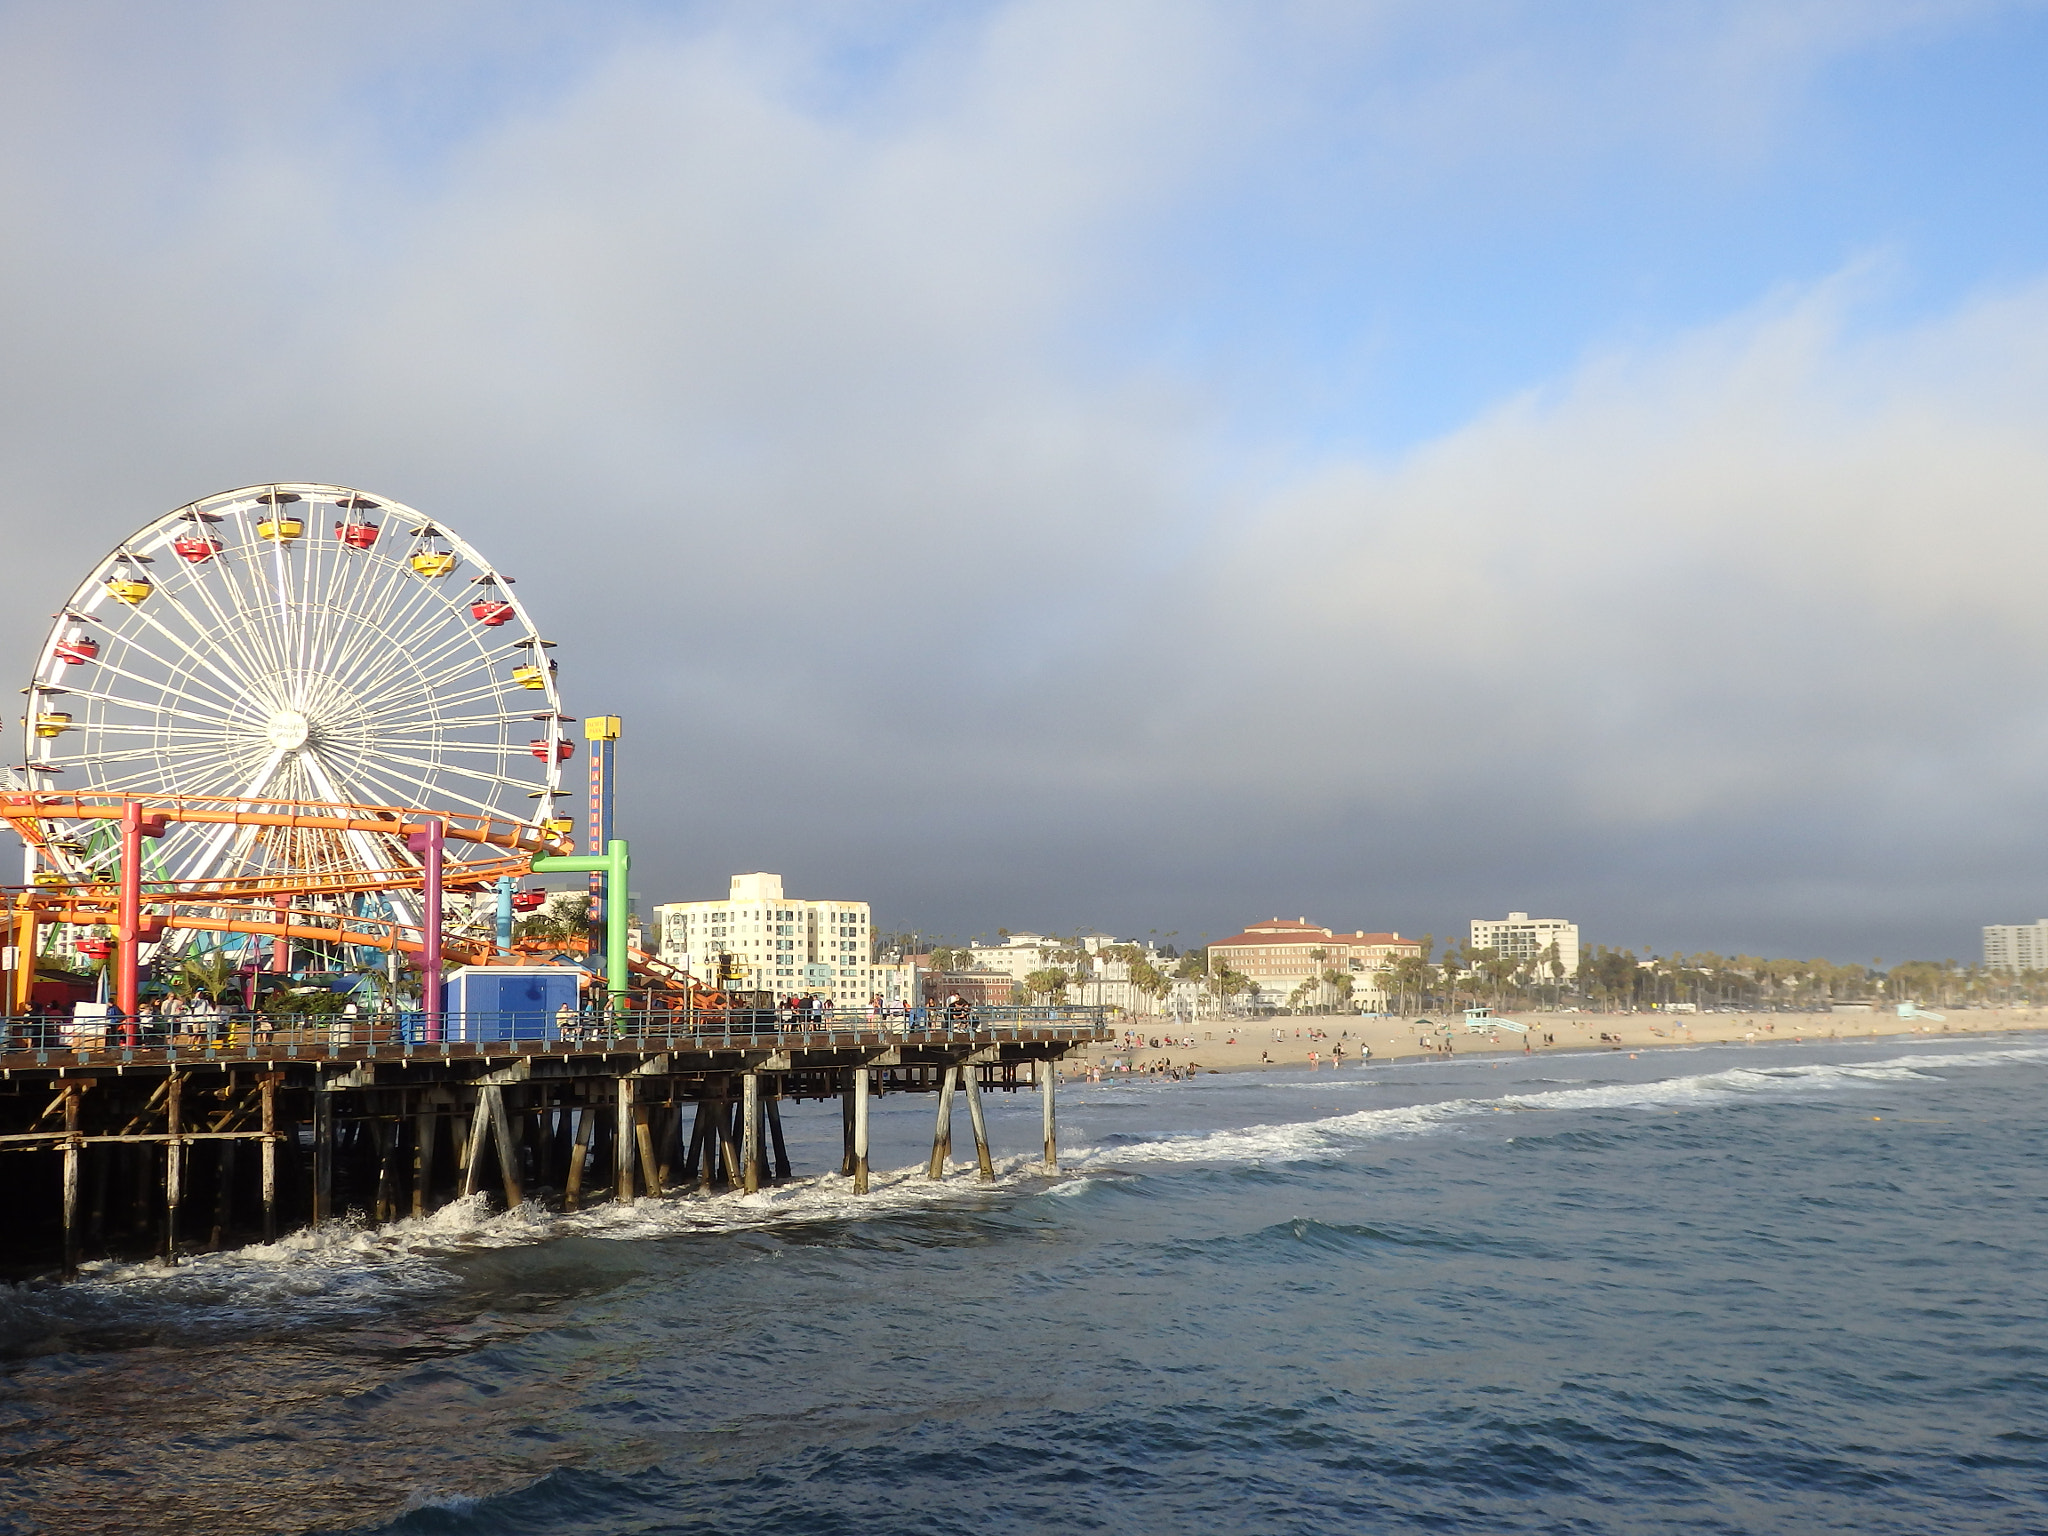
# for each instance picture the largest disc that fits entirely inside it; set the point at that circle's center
(1335, 1135)
(349, 1269)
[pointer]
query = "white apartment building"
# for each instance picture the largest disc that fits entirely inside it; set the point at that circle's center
(2016, 946)
(1105, 982)
(1518, 936)
(781, 944)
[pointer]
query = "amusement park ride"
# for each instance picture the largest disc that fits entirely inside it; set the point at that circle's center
(247, 734)
(269, 736)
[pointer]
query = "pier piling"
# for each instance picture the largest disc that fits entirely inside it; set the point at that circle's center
(981, 1153)
(942, 1132)
(860, 1130)
(1052, 1144)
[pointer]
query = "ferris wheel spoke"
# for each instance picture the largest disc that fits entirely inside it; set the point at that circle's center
(227, 630)
(425, 658)
(104, 666)
(416, 611)
(388, 766)
(225, 637)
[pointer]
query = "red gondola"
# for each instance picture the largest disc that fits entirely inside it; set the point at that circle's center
(95, 949)
(357, 532)
(529, 901)
(491, 614)
(78, 649)
(564, 749)
(197, 547)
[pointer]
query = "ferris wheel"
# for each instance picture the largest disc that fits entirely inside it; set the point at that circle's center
(290, 644)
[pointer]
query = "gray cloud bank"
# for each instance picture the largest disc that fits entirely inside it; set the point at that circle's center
(777, 359)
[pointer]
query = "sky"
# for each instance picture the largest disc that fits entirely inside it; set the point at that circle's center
(1146, 465)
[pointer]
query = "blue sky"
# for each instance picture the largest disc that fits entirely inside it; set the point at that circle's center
(1392, 462)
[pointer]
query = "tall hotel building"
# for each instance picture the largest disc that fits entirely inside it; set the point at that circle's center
(1518, 936)
(784, 945)
(2016, 946)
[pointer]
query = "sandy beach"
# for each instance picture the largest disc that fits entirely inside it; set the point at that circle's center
(1224, 1045)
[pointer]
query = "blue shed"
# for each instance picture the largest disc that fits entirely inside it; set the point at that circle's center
(507, 1002)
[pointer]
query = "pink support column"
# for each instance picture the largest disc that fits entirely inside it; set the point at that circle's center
(428, 843)
(128, 929)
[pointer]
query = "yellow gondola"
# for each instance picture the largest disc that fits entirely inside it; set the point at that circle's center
(560, 826)
(434, 562)
(47, 877)
(281, 530)
(51, 723)
(131, 590)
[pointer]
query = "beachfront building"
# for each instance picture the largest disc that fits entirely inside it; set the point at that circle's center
(2016, 946)
(1103, 979)
(1282, 956)
(1526, 940)
(781, 944)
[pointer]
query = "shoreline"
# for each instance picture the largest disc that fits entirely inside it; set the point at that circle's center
(1220, 1047)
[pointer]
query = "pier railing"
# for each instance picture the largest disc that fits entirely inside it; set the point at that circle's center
(228, 1036)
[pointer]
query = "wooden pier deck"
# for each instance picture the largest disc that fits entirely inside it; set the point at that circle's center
(128, 1150)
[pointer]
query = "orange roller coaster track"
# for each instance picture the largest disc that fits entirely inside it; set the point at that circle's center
(499, 848)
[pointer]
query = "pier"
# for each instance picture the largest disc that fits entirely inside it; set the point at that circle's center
(170, 1147)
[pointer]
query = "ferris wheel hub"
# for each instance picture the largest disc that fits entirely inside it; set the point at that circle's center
(288, 730)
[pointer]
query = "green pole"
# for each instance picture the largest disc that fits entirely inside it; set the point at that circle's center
(613, 863)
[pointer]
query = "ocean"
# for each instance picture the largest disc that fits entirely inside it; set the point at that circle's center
(1724, 1289)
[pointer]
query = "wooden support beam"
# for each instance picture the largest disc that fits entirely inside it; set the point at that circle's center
(942, 1131)
(579, 1154)
(750, 1132)
(773, 1104)
(223, 1196)
(697, 1161)
(728, 1148)
(323, 1155)
(643, 1138)
(174, 1160)
(479, 1130)
(859, 1086)
(622, 1147)
(72, 1151)
(268, 1082)
(508, 1154)
(426, 1130)
(981, 1152)
(1052, 1143)
(846, 1129)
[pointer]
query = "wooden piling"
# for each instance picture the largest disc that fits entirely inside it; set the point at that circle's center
(579, 1153)
(268, 1085)
(942, 1132)
(750, 1131)
(479, 1128)
(1052, 1145)
(622, 1142)
(697, 1161)
(981, 1152)
(846, 1128)
(323, 1154)
(643, 1138)
(174, 1160)
(772, 1104)
(426, 1130)
(508, 1153)
(860, 1130)
(73, 1149)
(223, 1195)
(728, 1146)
